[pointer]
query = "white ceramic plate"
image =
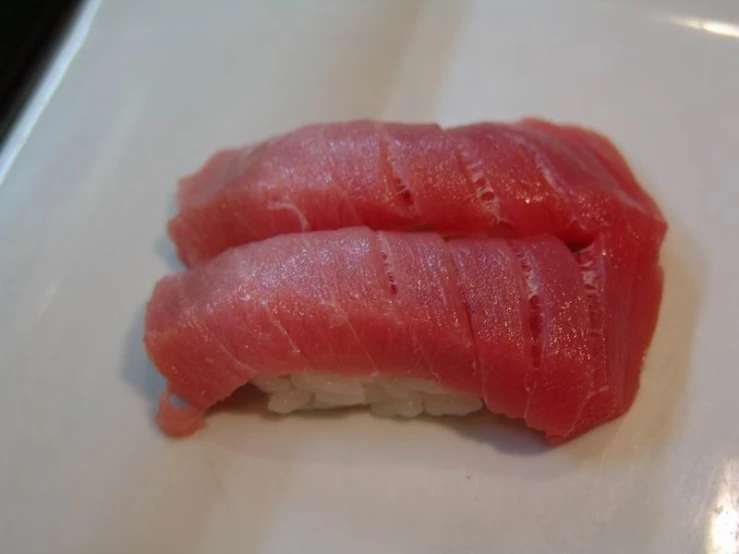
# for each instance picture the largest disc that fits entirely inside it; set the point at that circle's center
(143, 91)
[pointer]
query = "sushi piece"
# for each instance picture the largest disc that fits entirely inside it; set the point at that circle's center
(408, 323)
(490, 179)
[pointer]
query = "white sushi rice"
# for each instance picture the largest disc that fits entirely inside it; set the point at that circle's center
(385, 396)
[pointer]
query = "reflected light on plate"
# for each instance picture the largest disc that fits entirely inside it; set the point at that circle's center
(723, 530)
(46, 87)
(721, 28)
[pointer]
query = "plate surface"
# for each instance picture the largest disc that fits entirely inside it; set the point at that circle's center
(143, 91)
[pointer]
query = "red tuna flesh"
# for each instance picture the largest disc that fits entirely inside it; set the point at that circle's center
(521, 179)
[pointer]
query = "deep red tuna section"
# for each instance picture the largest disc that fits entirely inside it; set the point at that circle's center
(494, 179)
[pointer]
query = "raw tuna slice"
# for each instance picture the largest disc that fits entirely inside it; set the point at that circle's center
(355, 316)
(522, 179)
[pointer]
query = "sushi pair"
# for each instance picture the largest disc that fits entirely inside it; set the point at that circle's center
(412, 269)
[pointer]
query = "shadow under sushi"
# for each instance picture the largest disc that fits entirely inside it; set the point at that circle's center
(166, 251)
(500, 433)
(137, 370)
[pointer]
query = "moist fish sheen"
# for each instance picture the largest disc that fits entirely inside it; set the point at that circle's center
(412, 268)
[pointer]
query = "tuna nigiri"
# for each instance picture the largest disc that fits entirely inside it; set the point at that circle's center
(412, 269)
(523, 179)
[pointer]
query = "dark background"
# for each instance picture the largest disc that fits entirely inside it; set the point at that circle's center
(30, 30)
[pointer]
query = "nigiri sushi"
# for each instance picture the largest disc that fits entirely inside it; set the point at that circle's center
(411, 269)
